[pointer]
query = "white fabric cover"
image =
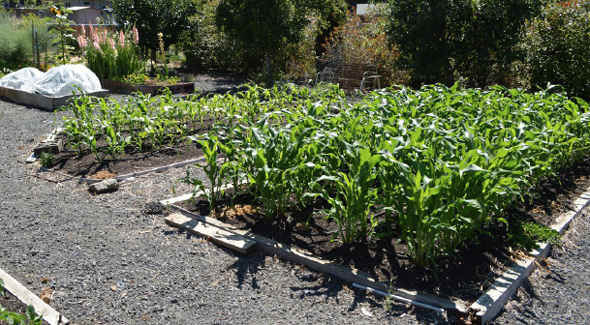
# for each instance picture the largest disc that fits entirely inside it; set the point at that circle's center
(17, 79)
(63, 81)
(60, 81)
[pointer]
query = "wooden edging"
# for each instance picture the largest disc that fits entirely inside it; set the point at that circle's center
(215, 234)
(271, 247)
(23, 294)
(491, 303)
(51, 103)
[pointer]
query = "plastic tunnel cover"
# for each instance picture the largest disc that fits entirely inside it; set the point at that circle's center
(64, 80)
(17, 79)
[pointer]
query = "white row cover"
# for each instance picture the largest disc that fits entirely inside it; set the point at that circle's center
(60, 81)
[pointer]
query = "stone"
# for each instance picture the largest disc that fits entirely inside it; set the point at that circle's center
(46, 295)
(53, 147)
(104, 186)
(302, 227)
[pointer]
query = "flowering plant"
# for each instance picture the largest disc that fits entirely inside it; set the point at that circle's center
(111, 55)
(63, 31)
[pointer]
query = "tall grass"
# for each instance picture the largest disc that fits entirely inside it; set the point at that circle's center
(15, 42)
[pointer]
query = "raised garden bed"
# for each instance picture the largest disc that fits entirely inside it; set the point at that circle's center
(304, 155)
(36, 100)
(125, 87)
(19, 297)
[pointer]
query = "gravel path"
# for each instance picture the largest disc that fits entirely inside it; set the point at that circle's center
(109, 263)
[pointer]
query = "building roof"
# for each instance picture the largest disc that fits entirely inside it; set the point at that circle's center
(78, 8)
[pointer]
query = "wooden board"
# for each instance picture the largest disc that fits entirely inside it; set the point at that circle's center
(49, 103)
(491, 303)
(217, 235)
(50, 315)
(272, 247)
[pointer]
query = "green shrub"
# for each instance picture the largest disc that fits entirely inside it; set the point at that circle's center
(211, 50)
(527, 235)
(15, 42)
(557, 44)
(47, 159)
(446, 40)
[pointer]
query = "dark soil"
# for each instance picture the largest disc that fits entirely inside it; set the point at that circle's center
(69, 162)
(464, 276)
(133, 160)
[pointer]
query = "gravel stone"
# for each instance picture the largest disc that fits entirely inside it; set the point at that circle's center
(51, 227)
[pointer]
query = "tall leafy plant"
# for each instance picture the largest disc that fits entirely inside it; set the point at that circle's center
(111, 55)
(64, 32)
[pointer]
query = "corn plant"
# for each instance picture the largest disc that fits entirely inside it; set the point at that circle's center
(354, 194)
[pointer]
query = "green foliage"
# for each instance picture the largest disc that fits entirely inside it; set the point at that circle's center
(46, 39)
(111, 55)
(442, 41)
(47, 159)
(527, 235)
(557, 44)
(210, 49)
(15, 42)
(434, 167)
(13, 318)
(150, 17)
(214, 171)
(261, 26)
(29, 318)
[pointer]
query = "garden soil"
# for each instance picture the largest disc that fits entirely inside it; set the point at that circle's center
(111, 262)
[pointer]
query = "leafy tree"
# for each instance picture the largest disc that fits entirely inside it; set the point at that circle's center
(442, 39)
(169, 17)
(557, 44)
(263, 26)
(331, 13)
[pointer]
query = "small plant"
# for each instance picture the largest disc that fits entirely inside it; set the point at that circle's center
(29, 318)
(527, 235)
(47, 159)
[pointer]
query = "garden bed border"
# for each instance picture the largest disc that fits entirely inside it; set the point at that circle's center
(272, 247)
(23, 294)
(31, 99)
(126, 87)
(486, 307)
(490, 304)
(129, 176)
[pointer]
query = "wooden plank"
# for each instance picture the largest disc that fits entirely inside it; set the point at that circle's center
(272, 247)
(217, 235)
(491, 303)
(50, 315)
(181, 198)
(31, 99)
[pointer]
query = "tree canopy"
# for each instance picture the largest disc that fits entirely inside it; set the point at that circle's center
(261, 25)
(150, 17)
